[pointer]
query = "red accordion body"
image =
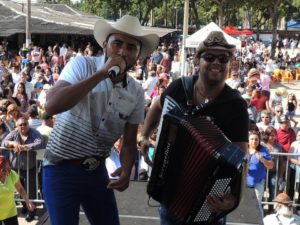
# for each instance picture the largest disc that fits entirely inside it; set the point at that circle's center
(193, 159)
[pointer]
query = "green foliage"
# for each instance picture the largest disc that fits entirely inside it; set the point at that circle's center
(261, 14)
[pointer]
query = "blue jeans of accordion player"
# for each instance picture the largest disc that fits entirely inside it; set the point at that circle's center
(167, 219)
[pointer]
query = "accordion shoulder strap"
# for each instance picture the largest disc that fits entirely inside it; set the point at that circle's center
(187, 83)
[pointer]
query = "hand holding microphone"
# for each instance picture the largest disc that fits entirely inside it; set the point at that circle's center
(118, 63)
(113, 71)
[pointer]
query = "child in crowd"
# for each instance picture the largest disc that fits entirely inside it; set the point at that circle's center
(291, 107)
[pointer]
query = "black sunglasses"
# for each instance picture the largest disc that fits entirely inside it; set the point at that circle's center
(208, 57)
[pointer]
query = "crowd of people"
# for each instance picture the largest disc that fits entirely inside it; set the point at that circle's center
(31, 74)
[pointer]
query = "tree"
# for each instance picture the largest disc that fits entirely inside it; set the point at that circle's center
(142, 9)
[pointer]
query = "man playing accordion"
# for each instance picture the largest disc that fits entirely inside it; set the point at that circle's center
(214, 97)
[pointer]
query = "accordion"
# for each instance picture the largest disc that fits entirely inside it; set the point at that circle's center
(193, 159)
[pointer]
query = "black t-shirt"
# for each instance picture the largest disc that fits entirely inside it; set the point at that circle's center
(228, 113)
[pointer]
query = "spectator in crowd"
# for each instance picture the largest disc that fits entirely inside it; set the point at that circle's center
(156, 56)
(259, 161)
(291, 107)
(35, 56)
(166, 62)
(7, 81)
(8, 95)
(269, 65)
(24, 51)
(22, 142)
(283, 212)
(3, 55)
(15, 73)
(165, 77)
(34, 121)
(9, 183)
(29, 88)
(161, 90)
(276, 118)
(13, 114)
(42, 98)
(286, 135)
(49, 54)
(269, 140)
(22, 97)
(259, 100)
(159, 70)
(55, 74)
(234, 81)
(252, 112)
(63, 51)
(175, 67)
(277, 98)
(3, 130)
(44, 63)
(139, 73)
(265, 81)
(150, 84)
(249, 90)
(56, 59)
(26, 61)
(36, 73)
(253, 78)
(48, 79)
(294, 175)
(265, 120)
(155, 91)
(46, 127)
(38, 87)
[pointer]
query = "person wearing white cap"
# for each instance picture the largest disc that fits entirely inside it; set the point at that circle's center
(284, 212)
(96, 102)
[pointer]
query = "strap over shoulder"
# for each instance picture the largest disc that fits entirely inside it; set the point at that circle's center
(188, 87)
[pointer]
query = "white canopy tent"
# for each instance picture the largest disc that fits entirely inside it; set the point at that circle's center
(194, 40)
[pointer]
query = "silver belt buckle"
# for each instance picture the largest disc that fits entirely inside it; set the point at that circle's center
(90, 163)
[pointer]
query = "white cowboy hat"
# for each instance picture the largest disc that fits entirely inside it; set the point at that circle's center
(130, 26)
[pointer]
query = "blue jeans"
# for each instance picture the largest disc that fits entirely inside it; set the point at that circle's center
(67, 186)
(167, 219)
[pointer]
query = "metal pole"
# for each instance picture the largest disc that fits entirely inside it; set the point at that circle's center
(176, 17)
(166, 17)
(184, 35)
(28, 23)
(152, 18)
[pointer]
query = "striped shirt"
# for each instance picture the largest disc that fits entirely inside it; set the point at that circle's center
(92, 126)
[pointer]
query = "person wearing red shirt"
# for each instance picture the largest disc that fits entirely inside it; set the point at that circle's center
(285, 134)
(258, 100)
(166, 62)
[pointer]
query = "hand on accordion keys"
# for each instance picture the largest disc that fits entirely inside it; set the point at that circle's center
(222, 203)
(144, 144)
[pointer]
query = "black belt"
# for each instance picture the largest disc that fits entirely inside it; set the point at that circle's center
(89, 163)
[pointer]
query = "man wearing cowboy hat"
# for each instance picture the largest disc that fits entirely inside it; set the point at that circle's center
(218, 101)
(94, 110)
(284, 212)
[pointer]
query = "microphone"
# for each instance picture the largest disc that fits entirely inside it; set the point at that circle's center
(113, 71)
